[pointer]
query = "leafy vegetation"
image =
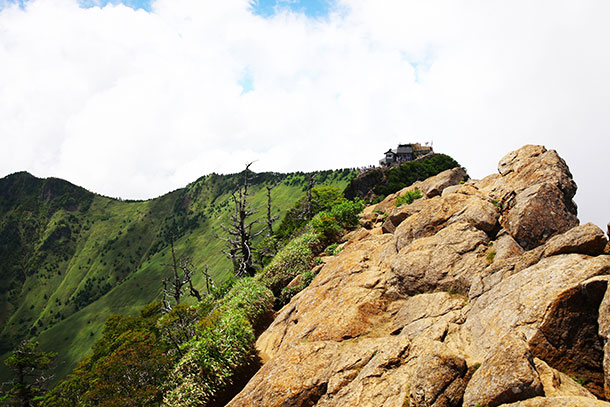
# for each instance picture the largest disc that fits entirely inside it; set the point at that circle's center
(411, 171)
(69, 258)
(297, 257)
(374, 185)
(191, 354)
(329, 224)
(28, 367)
(222, 346)
(408, 197)
(491, 255)
(322, 199)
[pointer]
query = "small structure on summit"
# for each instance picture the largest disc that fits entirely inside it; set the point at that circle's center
(405, 152)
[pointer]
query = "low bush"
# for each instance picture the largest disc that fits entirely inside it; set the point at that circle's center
(295, 258)
(222, 346)
(251, 297)
(408, 197)
(288, 293)
(344, 215)
(323, 198)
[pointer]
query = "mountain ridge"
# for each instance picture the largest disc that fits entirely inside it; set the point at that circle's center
(481, 293)
(70, 257)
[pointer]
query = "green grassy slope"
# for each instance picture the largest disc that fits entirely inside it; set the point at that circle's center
(70, 258)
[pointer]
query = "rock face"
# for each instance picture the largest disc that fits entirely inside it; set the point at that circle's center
(480, 293)
(507, 375)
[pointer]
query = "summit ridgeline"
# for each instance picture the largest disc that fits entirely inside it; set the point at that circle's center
(479, 293)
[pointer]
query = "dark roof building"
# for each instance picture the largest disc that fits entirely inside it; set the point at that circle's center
(403, 153)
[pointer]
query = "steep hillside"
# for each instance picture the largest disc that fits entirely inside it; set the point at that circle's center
(486, 293)
(70, 258)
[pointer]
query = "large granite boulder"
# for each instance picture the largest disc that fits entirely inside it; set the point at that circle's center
(507, 375)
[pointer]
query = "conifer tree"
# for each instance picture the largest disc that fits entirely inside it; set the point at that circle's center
(29, 378)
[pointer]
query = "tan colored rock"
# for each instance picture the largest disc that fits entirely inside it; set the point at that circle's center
(538, 213)
(528, 166)
(434, 186)
(383, 381)
(604, 332)
(347, 299)
(516, 160)
(386, 322)
(418, 315)
(445, 261)
(387, 205)
(442, 211)
(535, 189)
(557, 384)
(506, 247)
(559, 402)
(520, 301)
(568, 338)
(451, 190)
(585, 239)
(401, 213)
(506, 376)
(438, 378)
(363, 372)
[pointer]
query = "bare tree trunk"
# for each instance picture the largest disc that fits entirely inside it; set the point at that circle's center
(308, 204)
(173, 286)
(240, 235)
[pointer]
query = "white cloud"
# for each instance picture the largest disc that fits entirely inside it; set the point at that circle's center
(133, 104)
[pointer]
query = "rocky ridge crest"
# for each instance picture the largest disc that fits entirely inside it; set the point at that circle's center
(483, 293)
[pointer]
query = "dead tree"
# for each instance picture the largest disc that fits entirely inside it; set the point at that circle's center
(308, 212)
(270, 219)
(175, 286)
(269, 247)
(240, 231)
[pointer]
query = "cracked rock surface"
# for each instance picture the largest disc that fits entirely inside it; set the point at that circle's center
(482, 292)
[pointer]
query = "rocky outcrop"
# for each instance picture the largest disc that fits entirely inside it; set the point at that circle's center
(480, 293)
(604, 332)
(558, 384)
(332, 373)
(438, 378)
(507, 375)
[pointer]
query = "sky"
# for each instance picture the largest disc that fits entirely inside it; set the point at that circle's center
(136, 98)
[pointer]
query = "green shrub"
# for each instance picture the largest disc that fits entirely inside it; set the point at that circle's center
(288, 293)
(499, 205)
(332, 249)
(224, 345)
(347, 213)
(330, 224)
(408, 197)
(409, 172)
(251, 297)
(491, 255)
(327, 227)
(295, 258)
(322, 199)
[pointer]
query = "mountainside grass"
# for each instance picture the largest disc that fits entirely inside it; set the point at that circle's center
(74, 261)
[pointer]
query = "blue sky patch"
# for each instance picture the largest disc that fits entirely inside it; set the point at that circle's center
(246, 82)
(311, 8)
(134, 4)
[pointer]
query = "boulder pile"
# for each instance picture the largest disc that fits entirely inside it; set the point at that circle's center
(481, 293)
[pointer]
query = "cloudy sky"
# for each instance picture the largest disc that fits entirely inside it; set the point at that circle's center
(136, 98)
